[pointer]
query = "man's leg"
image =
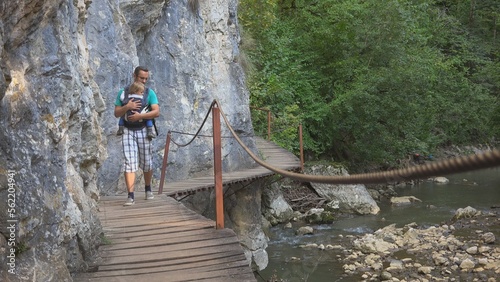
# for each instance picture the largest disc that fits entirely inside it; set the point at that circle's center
(131, 165)
(147, 178)
(146, 161)
(129, 181)
(147, 183)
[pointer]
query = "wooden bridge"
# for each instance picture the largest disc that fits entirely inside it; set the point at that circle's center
(162, 240)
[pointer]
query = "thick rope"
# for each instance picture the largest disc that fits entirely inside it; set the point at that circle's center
(455, 165)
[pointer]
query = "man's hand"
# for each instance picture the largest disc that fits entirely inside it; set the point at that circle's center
(135, 116)
(133, 105)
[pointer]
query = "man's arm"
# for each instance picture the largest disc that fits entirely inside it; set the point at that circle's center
(131, 105)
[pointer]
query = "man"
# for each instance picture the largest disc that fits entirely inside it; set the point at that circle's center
(137, 149)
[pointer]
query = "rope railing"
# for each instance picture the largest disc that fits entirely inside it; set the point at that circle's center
(197, 134)
(455, 165)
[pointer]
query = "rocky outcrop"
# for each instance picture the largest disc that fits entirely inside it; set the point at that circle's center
(51, 138)
(275, 207)
(62, 63)
(345, 198)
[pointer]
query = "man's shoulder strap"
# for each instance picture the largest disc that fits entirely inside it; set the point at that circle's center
(125, 93)
(145, 96)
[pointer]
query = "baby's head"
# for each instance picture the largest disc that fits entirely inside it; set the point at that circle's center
(136, 88)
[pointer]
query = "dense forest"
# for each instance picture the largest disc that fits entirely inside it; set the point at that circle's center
(373, 81)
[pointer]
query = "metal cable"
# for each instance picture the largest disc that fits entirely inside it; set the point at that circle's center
(210, 136)
(455, 165)
(199, 129)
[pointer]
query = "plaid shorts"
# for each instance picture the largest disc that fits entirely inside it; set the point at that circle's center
(136, 150)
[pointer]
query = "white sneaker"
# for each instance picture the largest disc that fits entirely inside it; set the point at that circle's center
(149, 195)
(129, 202)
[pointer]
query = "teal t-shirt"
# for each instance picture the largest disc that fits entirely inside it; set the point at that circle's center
(152, 99)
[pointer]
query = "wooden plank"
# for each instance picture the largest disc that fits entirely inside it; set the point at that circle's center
(117, 235)
(209, 261)
(172, 260)
(171, 250)
(180, 263)
(166, 241)
(221, 275)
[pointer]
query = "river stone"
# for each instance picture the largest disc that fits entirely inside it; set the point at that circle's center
(276, 208)
(488, 238)
(467, 264)
(467, 212)
(472, 250)
(372, 244)
(425, 269)
(441, 179)
(439, 259)
(396, 264)
(404, 200)
(304, 230)
(385, 275)
(350, 198)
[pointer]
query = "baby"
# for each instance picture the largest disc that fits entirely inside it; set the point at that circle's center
(135, 91)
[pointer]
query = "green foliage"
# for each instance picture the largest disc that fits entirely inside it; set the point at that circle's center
(21, 248)
(372, 81)
(257, 15)
(105, 240)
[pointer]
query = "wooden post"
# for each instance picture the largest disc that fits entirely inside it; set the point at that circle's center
(301, 148)
(268, 125)
(164, 165)
(219, 197)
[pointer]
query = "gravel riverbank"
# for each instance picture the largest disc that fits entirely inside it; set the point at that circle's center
(464, 249)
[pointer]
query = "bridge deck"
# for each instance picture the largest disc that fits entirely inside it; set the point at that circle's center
(162, 240)
(271, 153)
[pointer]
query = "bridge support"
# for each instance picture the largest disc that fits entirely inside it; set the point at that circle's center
(219, 197)
(164, 165)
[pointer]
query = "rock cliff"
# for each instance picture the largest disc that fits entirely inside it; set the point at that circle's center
(62, 64)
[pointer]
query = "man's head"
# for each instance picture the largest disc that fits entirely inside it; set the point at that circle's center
(141, 74)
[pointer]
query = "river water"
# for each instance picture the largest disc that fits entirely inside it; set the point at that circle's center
(289, 262)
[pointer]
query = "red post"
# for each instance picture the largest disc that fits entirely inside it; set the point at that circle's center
(219, 197)
(164, 165)
(301, 148)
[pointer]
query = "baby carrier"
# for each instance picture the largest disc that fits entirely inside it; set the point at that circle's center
(140, 124)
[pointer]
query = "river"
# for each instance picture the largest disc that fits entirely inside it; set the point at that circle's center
(289, 262)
